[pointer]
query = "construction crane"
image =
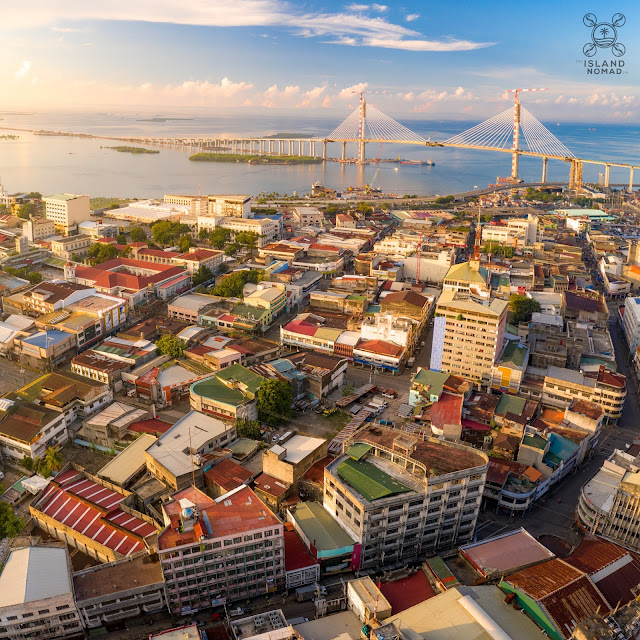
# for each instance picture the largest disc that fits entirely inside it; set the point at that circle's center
(375, 175)
(515, 158)
(362, 122)
(419, 257)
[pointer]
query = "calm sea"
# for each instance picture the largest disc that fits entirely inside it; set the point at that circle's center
(55, 164)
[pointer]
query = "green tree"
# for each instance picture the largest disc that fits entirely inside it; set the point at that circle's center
(184, 242)
(10, 524)
(231, 249)
(137, 234)
(522, 307)
(274, 401)
(121, 238)
(27, 463)
(26, 211)
(171, 346)
(34, 195)
(249, 429)
(487, 217)
(364, 208)
(203, 274)
(443, 200)
(101, 252)
(247, 238)
(219, 237)
(203, 235)
(162, 232)
(53, 458)
(34, 277)
(231, 286)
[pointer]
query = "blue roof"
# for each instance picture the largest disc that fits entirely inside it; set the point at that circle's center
(44, 339)
(287, 368)
(561, 446)
(272, 216)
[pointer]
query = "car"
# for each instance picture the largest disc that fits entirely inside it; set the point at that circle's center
(275, 438)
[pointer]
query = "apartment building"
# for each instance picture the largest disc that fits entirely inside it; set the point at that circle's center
(468, 336)
(36, 595)
(401, 497)
(308, 217)
(516, 232)
(609, 502)
(66, 210)
(603, 387)
(46, 297)
(38, 229)
(265, 228)
(631, 322)
(216, 552)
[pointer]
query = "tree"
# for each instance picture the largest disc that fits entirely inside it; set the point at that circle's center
(34, 277)
(26, 211)
(53, 458)
(249, 429)
(203, 274)
(247, 238)
(121, 238)
(34, 195)
(219, 237)
(184, 242)
(171, 346)
(487, 217)
(137, 234)
(522, 307)
(203, 235)
(364, 208)
(10, 524)
(231, 286)
(274, 401)
(162, 232)
(101, 252)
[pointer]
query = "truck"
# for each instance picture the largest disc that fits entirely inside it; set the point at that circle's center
(309, 592)
(379, 402)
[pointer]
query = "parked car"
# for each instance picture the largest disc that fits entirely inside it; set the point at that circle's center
(275, 438)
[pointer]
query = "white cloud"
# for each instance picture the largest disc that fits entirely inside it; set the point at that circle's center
(23, 70)
(347, 92)
(411, 17)
(352, 28)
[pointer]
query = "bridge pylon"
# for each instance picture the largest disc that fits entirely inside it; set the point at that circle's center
(575, 175)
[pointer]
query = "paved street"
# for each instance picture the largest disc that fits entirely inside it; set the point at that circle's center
(11, 377)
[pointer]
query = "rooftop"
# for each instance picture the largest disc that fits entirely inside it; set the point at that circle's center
(103, 580)
(228, 475)
(299, 447)
(368, 480)
(514, 354)
(296, 555)
(128, 462)
(272, 486)
(31, 574)
(320, 528)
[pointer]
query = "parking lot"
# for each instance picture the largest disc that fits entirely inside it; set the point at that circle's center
(12, 377)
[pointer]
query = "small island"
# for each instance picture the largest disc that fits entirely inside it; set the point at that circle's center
(132, 149)
(253, 158)
(8, 137)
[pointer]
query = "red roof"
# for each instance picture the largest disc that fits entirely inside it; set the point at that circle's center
(300, 326)
(158, 253)
(272, 486)
(380, 347)
(152, 426)
(200, 350)
(407, 592)
(447, 410)
(475, 426)
(228, 475)
(104, 274)
(198, 255)
(225, 317)
(296, 555)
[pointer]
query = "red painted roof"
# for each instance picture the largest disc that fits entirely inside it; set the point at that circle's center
(271, 485)
(380, 347)
(300, 326)
(447, 410)
(198, 255)
(296, 555)
(158, 252)
(475, 426)
(407, 592)
(151, 425)
(228, 475)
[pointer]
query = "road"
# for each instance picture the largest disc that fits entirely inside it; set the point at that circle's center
(11, 377)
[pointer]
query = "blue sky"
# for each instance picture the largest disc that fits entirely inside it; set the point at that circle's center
(441, 59)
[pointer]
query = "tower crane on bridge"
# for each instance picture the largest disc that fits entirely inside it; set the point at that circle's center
(362, 122)
(515, 158)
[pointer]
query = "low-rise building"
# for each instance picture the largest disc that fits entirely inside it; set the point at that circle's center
(110, 425)
(38, 229)
(236, 540)
(509, 368)
(189, 306)
(287, 461)
(196, 258)
(324, 374)
(112, 593)
(71, 246)
(36, 595)
(175, 459)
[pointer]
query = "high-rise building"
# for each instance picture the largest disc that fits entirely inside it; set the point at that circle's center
(401, 497)
(66, 210)
(472, 338)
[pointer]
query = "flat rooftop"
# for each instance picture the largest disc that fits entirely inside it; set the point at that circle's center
(128, 462)
(104, 580)
(299, 447)
(318, 525)
(368, 480)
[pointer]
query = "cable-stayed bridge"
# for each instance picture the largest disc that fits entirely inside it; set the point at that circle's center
(515, 131)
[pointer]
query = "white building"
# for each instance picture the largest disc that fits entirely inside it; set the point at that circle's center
(265, 228)
(36, 595)
(434, 264)
(149, 211)
(631, 323)
(308, 217)
(66, 210)
(38, 229)
(388, 327)
(516, 233)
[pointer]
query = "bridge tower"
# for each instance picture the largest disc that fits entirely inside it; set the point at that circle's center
(515, 157)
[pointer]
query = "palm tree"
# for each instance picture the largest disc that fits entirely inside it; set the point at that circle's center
(38, 465)
(53, 458)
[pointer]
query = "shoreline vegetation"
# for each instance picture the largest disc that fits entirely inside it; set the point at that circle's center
(253, 159)
(9, 137)
(124, 149)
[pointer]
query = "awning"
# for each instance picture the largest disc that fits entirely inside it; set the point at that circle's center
(359, 450)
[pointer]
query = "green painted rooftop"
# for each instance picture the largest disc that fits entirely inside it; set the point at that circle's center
(359, 450)
(369, 481)
(510, 404)
(435, 380)
(243, 375)
(514, 353)
(319, 527)
(213, 389)
(535, 441)
(246, 311)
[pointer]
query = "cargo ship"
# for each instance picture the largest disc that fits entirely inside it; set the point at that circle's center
(426, 163)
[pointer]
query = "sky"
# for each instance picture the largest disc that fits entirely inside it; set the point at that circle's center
(425, 59)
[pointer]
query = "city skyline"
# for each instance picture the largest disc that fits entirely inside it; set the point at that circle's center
(431, 60)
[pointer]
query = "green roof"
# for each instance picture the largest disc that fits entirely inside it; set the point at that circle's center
(442, 572)
(359, 450)
(245, 311)
(535, 441)
(354, 296)
(320, 528)
(510, 404)
(243, 375)
(435, 380)
(514, 354)
(369, 481)
(213, 389)
(62, 196)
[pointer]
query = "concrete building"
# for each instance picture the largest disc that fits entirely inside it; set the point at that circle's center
(215, 552)
(196, 258)
(516, 232)
(214, 205)
(148, 212)
(110, 425)
(38, 229)
(308, 217)
(189, 306)
(36, 595)
(631, 323)
(70, 246)
(401, 497)
(472, 336)
(289, 460)
(175, 459)
(509, 368)
(111, 593)
(603, 387)
(266, 229)
(66, 210)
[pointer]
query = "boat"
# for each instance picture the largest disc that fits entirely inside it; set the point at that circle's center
(427, 163)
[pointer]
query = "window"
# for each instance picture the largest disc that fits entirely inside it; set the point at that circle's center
(62, 607)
